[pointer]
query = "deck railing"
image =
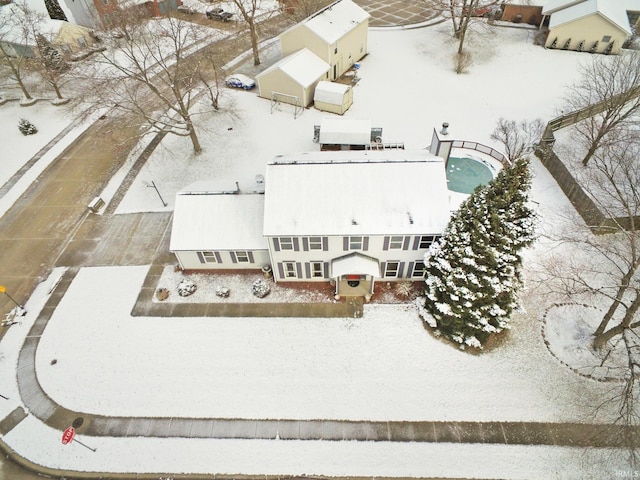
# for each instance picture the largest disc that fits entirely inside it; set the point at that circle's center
(479, 147)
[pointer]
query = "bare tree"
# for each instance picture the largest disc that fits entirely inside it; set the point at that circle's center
(608, 266)
(251, 13)
(518, 138)
(13, 59)
(48, 61)
(153, 76)
(608, 92)
(605, 270)
(462, 13)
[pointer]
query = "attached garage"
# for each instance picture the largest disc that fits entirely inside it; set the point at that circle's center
(333, 97)
(293, 79)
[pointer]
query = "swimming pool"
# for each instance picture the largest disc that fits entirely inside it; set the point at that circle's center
(464, 174)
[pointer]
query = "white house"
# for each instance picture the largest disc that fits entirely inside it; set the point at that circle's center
(337, 34)
(349, 217)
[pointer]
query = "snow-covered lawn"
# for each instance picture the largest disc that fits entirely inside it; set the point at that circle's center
(385, 365)
(18, 148)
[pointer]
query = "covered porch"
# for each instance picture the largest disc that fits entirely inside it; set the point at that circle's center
(354, 275)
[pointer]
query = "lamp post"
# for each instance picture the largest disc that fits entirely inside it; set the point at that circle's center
(153, 185)
(4, 290)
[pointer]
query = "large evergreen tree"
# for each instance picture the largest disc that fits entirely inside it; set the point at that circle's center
(473, 271)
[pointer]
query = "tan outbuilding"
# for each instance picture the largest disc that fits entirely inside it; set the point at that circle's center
(333, 97)
(595, 26)
(337, 34)
(293, 79)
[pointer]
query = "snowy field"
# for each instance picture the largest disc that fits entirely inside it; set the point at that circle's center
(382, 366)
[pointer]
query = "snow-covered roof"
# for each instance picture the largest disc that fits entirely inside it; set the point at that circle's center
(336, 20)
(203, 220)
(343, 131)
(330, 92)
(356, 193)
(551, 6)
(613, 11)
(355, 263)
(303, 66)
(564, 11)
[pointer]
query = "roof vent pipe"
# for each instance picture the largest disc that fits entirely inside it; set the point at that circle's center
(444, 130)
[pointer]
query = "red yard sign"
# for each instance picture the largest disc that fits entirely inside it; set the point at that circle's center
(68, 435)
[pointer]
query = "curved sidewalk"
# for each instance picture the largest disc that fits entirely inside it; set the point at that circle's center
(44, 408)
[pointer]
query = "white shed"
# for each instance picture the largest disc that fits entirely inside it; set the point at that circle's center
(333, 97)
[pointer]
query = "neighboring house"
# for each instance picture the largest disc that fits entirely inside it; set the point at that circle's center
(101, 13)
(293, 79)
(346, 217)
(337, 34)
(522, 11)
(69, 39)
(595, 26)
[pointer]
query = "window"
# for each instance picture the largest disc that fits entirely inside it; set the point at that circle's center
(286, 243)
(606, 38)
(418, 269)
(290, 270)
(391, 269)
(426, 241)
(335, 50)
(242, 257)
(316, 270)
(209, 257)
(395, 242)
(82, 42)
(355, 243)
(315, 243)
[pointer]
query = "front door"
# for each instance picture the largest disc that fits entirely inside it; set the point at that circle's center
(354, 286)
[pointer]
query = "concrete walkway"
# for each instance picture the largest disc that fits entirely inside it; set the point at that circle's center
(520, 433)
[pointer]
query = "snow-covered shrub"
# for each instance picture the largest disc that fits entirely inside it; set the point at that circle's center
(260, 288)
(222, 292)
(186, 288)
(162, 294)
(26, 127)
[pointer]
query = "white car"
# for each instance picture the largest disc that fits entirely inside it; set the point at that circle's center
(239, 80)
